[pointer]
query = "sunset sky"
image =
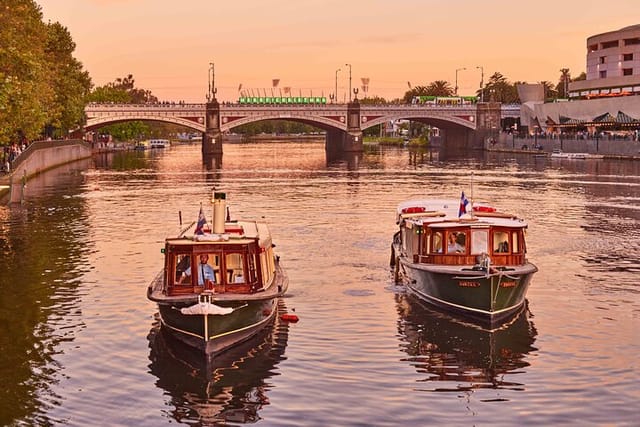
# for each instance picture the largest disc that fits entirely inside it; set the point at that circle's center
(167, 45)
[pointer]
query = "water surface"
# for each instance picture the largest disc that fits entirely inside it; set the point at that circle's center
(80, 343)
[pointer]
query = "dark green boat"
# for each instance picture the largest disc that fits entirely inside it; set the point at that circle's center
(468, 261)
(235, 290)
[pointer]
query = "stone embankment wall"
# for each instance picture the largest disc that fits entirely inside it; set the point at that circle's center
(41, 156)
(607, 147)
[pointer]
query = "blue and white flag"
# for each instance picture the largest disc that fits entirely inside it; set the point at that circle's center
(463, 205)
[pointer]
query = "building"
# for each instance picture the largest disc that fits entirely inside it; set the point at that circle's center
(613, 65)
(608, 99)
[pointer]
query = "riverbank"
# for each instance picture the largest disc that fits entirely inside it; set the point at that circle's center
(608, 149)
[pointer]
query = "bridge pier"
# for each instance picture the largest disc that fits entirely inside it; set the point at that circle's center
(338, 141)
(488, 116)
(212, 137)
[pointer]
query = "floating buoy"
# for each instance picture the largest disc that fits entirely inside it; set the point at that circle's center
(287, 317)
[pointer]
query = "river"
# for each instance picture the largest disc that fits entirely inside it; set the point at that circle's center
(80, 343)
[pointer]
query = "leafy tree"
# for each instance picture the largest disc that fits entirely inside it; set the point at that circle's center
(435, 88)
(42, 86)
(550, 92)
(70, 82)
(123, 91)
(563, 84)
(25, 92)
(499, 89)
(440, 88)
(581, 76)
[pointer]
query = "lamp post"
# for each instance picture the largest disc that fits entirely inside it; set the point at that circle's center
(336, 92)
(349, 65)
(481, 82)
(456, 88)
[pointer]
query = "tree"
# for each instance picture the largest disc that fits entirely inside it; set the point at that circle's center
(549, 91)
(25, 93)
(123, 91)
(42, 86)
(435, 88)
(562, 88)
(70, 82)
(499, 89)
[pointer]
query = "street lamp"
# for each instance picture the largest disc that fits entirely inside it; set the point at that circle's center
(456, 89)
(349, 65)
(336, 93)
(481, 82)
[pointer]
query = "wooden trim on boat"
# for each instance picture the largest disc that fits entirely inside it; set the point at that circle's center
(495, 215)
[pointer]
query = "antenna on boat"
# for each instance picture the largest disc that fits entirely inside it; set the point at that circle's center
(471, 201)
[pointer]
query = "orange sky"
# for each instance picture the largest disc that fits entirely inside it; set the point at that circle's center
(167, 45)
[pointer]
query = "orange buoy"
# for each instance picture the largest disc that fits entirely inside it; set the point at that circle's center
(289, 317)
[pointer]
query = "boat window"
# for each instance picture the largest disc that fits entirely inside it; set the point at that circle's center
(183, 262)
(456, 242)
(516, 242)
(206, 264)
(500, 242)
(479, 242)
(437, 242)
(234, 263)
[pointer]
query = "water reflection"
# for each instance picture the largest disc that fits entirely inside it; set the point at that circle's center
(460, 355)
(232, 388)
(42, 260)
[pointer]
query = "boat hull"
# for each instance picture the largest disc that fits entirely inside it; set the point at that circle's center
(488, 298)
(213, 334)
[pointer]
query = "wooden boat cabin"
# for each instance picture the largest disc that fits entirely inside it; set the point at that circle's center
(433, 237)
(240, 261)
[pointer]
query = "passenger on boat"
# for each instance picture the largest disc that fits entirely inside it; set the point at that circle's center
(206, 273)
(503, 247)
(453, 245)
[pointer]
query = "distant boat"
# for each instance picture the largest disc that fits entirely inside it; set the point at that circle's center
(474, 265)
(559, 154)
(234, 291)
(159, 143)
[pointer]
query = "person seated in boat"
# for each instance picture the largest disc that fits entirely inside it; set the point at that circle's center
(206, 273)
(503, 247)
(453, 245)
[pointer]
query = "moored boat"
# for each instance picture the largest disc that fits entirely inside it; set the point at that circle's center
(159, 143)
(234, 292)
(464, 258)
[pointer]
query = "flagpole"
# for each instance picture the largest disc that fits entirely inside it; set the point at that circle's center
(471, 201)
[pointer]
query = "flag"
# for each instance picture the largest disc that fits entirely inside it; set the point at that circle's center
(275, 82)
(201, 222)
(463, 205)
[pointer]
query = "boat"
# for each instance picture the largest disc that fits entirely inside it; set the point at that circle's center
(226, 390)
(468, 259)
(559, 154)
(234, 292)
(159, 143)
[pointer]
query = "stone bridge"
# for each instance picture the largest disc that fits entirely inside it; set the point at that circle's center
(468, 124)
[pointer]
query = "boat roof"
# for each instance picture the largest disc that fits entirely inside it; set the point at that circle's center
(443, 213)
(236, 232)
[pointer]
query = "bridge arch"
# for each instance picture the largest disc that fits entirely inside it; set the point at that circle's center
(316, 121)
(438, 120)
(98, 122)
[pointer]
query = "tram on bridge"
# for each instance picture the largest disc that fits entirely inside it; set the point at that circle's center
(275, 100)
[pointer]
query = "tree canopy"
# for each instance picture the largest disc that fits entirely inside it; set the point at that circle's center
(42, 86)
